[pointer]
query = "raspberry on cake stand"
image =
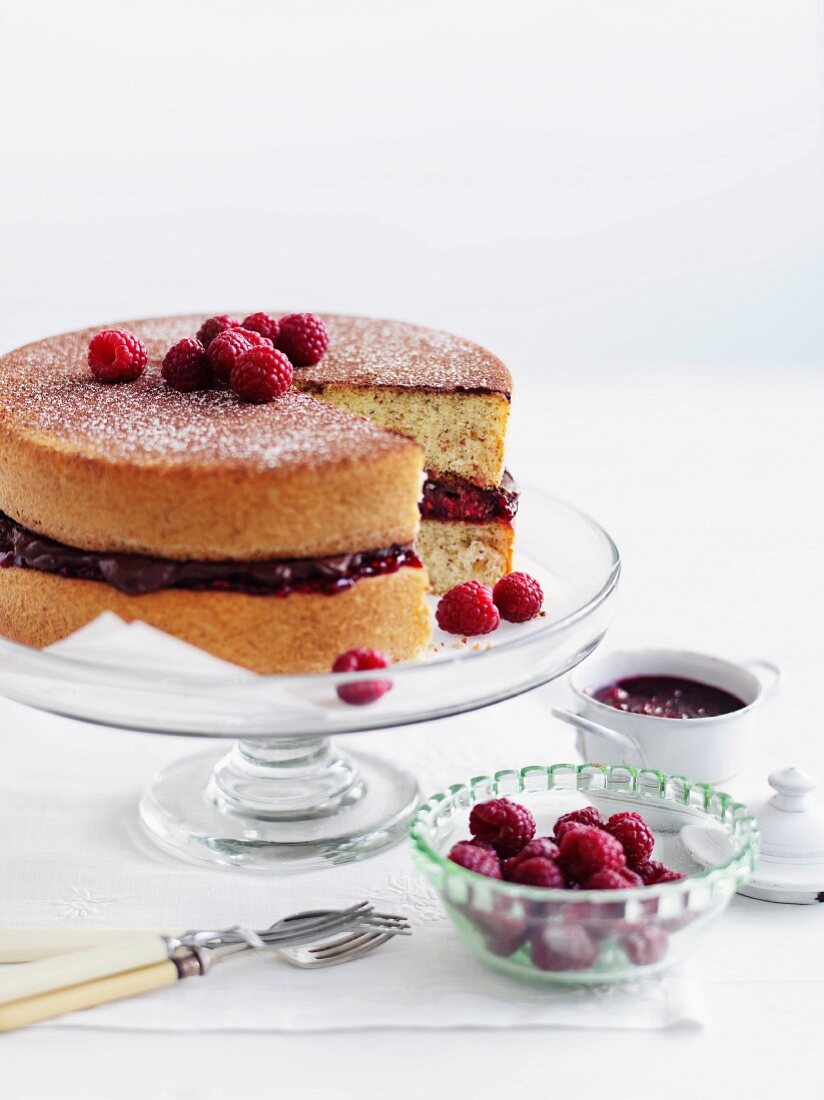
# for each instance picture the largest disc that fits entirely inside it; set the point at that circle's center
(285, 798)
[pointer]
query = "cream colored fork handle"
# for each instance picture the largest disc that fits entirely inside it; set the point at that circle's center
(115, 987)
(34, 978)
(18, 945)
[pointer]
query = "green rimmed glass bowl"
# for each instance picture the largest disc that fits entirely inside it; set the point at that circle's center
(590, 937)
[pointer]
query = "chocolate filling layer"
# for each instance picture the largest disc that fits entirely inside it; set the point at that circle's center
(137, 574)
(455, 498)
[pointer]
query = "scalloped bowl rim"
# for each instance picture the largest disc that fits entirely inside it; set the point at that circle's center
(749, 846)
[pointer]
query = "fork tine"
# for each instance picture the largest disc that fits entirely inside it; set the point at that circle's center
(304, 936)
(395, 929)
(351, 930)
(353, 951)
(325, 920)
(340, 947)
(321, 916)
(384, 937)
(387, 920)
(334, 920)
(352, 945)
(332, 953)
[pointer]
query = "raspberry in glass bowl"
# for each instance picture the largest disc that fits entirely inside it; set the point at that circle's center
(580, 934)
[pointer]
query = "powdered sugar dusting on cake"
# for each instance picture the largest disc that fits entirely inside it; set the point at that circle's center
(368, 352)
(46, 388)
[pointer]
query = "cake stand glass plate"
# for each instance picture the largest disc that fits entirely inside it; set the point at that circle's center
(285, 798)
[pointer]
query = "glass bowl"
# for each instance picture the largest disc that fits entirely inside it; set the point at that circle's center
(590, 937)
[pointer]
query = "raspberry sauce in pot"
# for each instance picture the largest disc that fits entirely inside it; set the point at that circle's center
(668, 697)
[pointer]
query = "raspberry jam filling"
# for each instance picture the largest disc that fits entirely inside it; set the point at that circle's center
(138, 574)
(454, 498)
(668, 697)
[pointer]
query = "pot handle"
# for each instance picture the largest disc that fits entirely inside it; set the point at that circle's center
(579, 722)
(768, 673)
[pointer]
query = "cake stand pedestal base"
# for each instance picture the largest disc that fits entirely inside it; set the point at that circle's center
(278, 806)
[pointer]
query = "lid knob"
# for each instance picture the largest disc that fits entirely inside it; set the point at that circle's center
(792, 788)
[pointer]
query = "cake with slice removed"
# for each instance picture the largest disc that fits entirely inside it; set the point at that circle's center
(453, 397)
(276, 536)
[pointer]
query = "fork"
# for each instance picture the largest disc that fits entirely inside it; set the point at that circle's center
(333, 952)
(23, 945)
(41, 990)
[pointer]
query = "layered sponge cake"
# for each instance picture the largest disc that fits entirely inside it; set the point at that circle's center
(276, 536)
(453, 397)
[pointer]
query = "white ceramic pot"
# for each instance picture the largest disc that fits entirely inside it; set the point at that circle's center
(707, 750)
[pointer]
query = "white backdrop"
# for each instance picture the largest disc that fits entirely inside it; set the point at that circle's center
(573, 180)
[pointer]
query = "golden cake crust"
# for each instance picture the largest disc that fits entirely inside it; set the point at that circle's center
(364, 351)
(301, 633)
(143, 469)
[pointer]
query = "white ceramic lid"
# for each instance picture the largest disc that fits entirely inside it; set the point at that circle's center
(790, 867)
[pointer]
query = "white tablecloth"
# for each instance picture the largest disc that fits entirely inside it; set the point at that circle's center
(720, 544)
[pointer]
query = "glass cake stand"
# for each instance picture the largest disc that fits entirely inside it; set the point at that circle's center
(283, 797)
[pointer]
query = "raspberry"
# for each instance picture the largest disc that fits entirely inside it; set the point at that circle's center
(645, 946)
(214, 326)
(254, 339)
(563, 947)
(506, 825)
(264, 324)
(574, 912)
(482, 862)
(586, 816)
(303, 337)
(359, 660)
(116, 355)
(503, 934)
(538, 871)
(567, 827)
(468, 609)
(260, 375)
(587, 850)
(600, 922)
(185, 366)
(609, 878)
(225, 350)
(634, 835)
(652, 873)
(518, 597)
(666, 876)
(540, 846)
